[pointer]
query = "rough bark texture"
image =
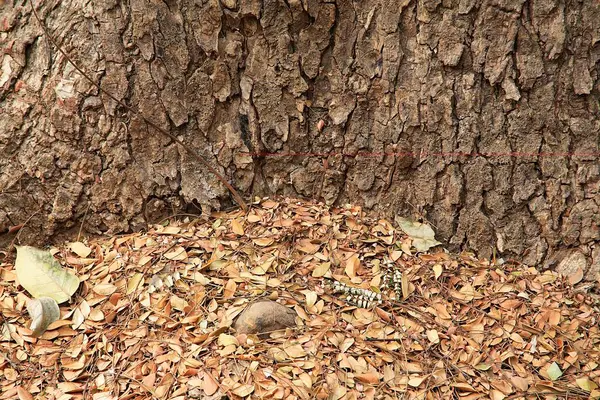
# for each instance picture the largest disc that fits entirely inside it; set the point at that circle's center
(512, 84)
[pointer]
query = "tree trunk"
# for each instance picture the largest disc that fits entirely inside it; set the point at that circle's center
(482, 116)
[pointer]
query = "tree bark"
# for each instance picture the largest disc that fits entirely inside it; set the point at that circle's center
(481, 115)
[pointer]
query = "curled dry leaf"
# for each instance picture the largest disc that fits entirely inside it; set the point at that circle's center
(352, 266)
(43, 312)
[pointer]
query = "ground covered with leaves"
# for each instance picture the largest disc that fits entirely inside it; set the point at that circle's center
(153, 317)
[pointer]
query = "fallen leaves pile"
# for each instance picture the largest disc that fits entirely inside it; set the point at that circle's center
(153, 317)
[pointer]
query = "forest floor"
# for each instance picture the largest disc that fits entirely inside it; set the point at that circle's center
(153, 317)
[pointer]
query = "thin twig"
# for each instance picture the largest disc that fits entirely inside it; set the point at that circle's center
(82, 221)
(12, 243)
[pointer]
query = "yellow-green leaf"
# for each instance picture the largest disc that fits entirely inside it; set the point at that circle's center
(422, 235)
(554, 371)
(437, 270)
(237, 227)
(586, 384)
(134, 282)
(404, 284)
(42, 276)
(433, 336)
(321, 269)
(243, 390)
(483, 366)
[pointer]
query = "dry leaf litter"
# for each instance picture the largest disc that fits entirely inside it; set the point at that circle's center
(154, 315)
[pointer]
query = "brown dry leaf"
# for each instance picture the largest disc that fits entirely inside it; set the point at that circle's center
(311, 297)
(306, 380)
(520, 383)
(80, 314)
(352, 266)
(134, 282)
(307, 246)
(227, 340)
(497, 395)
(229, 289)
(462, 386)
(437, 270)
(23, 393)
(405, 285)
(105, 289)
(96, 315)
(176, 254)
(263, 242)
(553, 317)
(237, 227)
(295, 351)
(321, 269)
(395, 255)
(80, 249)
(371, 377)
(243, 390)
(346, 344)
(416, 381)
(270, 204)
(252, 217)
(209, 384)
(433, 337)
(586, 384)
(43, 312)
(70, 387)
(170, 230)
(178, 303)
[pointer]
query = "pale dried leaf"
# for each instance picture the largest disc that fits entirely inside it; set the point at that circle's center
(80, 249)
(42, 276)
(43, 312)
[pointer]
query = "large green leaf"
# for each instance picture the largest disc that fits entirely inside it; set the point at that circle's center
(42, 276)
(422, 235)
